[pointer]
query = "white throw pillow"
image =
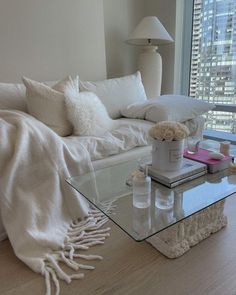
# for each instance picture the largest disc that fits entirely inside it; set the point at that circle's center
(168, 108)
(86, 113)
(48, 104)
(117, 93)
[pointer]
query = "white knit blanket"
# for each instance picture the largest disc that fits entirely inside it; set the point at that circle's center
(46, 220)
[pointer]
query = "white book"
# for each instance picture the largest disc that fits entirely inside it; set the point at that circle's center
(190, 170)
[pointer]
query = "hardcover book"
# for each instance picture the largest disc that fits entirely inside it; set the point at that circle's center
(213, 165)
(189, 171)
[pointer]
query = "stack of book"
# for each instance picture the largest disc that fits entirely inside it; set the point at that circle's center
(213, 165)
(189, 171)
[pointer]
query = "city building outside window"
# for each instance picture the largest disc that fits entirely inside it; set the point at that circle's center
(213, 60)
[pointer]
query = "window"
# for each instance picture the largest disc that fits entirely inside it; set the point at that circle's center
(212, 68)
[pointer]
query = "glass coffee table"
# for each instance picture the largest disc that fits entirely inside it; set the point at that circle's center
(197, 209)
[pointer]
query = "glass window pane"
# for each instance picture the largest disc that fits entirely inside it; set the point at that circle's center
(213, 63)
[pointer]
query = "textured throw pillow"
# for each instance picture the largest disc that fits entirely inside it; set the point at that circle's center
(86, 113)
(48, 104)
(117, 93)
(168, 107)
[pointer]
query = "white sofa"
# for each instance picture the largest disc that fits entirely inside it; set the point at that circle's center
(12, 96)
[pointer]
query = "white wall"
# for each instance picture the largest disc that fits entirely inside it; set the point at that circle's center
(47, 40)
(120, 18)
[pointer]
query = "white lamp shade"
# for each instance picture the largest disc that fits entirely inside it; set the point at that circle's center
(150, 28)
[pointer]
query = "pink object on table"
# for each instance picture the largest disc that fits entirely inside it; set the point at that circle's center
(213, 165)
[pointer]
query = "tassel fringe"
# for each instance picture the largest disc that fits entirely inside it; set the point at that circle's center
(81, 236)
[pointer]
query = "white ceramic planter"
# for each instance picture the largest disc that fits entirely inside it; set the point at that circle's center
(167, 155)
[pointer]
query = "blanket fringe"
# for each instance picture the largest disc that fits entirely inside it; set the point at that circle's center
(81, 235)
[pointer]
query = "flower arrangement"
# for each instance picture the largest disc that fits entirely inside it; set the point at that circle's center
(169, 131)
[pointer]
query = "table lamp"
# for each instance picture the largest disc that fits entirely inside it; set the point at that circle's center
(150, 33)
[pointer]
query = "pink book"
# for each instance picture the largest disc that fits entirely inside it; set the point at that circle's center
(212, 165)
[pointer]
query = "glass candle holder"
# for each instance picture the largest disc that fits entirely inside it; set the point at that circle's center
(192, 144)
(225, 147)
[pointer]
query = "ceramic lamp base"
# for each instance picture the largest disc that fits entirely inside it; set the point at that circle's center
(150, 66)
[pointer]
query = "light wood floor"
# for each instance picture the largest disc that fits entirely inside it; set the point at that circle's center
(131, 268)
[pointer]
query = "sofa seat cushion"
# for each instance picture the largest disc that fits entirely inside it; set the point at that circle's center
(128, 134)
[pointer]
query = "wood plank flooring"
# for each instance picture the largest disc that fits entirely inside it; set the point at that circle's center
(131, 268)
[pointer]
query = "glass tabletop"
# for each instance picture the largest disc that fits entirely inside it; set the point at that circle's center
(107, 190)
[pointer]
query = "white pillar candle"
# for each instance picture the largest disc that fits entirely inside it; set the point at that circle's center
(224, 147)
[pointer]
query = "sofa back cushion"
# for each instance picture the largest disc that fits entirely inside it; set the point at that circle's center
(117, 93)
(12, 97)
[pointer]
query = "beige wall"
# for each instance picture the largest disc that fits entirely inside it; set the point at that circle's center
(120, 18)
(47, 40)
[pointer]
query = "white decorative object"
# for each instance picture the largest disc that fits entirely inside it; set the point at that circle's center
(167, 155)
(117, 93)
(216, 156)
(178, 108)
(86, 113)
(224, 147)
(177, 239)
(150, 32)
(168, 145)
(150, 66)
